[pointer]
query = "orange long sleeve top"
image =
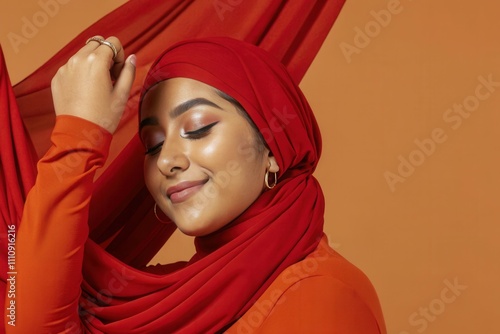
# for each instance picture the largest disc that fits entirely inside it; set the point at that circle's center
(53, 230)
(323, 293)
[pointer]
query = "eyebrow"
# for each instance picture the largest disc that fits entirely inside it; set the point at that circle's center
(179, 110)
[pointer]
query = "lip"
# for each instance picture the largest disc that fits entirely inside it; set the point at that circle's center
(184, 190)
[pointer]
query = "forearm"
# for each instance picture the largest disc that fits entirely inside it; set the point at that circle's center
(54, 228)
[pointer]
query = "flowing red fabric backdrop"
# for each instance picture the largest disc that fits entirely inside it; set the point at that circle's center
(121, 210)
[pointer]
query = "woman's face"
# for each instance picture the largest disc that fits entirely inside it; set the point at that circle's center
(203, 163)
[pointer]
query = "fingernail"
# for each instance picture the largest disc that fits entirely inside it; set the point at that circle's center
(132, 59)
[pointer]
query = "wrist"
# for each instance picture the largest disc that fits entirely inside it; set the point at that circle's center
(82, 133)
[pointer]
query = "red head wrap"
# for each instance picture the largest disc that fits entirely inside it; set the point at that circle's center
(259, 83)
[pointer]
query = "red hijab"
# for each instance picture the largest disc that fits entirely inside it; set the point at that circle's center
(233, 266)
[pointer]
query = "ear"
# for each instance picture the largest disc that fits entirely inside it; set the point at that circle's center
(273, 165)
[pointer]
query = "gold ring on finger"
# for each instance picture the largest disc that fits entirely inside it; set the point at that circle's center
(113, 48)
(102, 41)
(95, 39)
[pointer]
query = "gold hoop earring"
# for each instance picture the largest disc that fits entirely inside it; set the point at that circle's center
(158, 218)
(266, 180)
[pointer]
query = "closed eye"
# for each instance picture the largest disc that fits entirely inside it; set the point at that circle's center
(155, 149)
(195, 134)
(199, 133)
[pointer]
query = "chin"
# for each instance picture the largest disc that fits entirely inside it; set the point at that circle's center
(193, 231)
(193, 228)
(191, 225)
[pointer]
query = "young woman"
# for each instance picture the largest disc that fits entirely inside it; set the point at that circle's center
(231, 144)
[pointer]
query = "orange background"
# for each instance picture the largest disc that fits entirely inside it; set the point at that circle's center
(392, 87)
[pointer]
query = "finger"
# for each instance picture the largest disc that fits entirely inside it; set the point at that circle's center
(119, 61)
(105, 52)
(90, 46)
(124, 82)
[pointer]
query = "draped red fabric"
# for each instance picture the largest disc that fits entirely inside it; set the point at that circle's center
(233, 266)
(121, 217)
(17, 174)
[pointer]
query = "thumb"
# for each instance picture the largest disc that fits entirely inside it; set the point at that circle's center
(123, 84)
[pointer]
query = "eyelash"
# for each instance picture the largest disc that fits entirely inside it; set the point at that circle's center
(200, 133)
(153, 150)
(194, 135)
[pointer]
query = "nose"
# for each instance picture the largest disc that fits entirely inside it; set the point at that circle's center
(172, 159)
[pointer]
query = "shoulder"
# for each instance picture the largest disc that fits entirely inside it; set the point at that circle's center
(321, 304)
(323, 293)
(328, 271)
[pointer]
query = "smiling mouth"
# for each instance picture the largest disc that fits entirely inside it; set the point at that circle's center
(184, 190)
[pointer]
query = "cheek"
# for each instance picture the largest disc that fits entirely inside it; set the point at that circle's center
(243, 147)
(243, 169)
(217, 151)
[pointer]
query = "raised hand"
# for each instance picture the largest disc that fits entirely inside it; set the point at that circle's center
(94, 84)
